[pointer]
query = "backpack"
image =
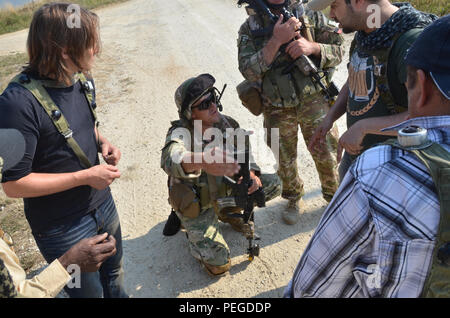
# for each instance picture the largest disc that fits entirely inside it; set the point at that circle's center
(437, 161)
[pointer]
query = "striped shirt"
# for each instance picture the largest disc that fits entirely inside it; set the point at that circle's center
(377, 236)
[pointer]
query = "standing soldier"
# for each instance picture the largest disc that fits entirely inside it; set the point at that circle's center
(292, 98)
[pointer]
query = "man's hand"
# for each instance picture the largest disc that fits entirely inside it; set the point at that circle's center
(285, 32)
(256, 184)
(110, 153)
(351, 141)
(320, 134)
(302, 46)
(101, 176)
(219, 163)
(90, 253)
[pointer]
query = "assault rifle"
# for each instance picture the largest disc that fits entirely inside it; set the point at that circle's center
(241, 198)
(304, 63)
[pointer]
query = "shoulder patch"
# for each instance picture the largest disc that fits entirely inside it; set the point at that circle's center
(253, 23)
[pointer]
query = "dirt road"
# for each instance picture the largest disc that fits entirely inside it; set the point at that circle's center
(149, 48)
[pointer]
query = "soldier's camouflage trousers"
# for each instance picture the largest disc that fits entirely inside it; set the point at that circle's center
(206, 243)
(308, 115)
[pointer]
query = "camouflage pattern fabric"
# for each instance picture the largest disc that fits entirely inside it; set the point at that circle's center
(206, 243)
(308, 116)
(271, 188)
(287, 90)
(7, 289)
(293, 99)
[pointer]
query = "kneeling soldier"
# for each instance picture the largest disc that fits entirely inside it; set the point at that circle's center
(195, 181)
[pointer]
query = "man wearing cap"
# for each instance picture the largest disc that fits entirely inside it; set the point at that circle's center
(293, 99)
(382, 232)
(64, 187)
(195, 171)
(87, 254)
(374, 96)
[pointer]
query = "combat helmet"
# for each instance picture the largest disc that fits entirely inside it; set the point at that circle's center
(191, 90)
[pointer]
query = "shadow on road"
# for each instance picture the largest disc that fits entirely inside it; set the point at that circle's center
(174, 272)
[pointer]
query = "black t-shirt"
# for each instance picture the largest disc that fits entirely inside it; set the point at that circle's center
(364, 99)
(47, 151)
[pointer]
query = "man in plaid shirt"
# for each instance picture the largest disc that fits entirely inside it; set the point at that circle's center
(377, 236)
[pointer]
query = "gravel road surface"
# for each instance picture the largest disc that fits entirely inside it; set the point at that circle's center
(149, 48)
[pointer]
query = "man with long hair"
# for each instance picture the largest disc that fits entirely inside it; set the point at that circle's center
(52, 103)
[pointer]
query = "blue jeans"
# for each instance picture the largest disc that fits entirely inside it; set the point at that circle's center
(108, 281)
(346, 162)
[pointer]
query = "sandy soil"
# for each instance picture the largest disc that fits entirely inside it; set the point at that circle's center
(149, 48)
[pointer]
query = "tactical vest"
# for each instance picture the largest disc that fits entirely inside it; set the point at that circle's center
(282, 90)
(437, 161)
(204, 190)
(385, 76)
(37, 88)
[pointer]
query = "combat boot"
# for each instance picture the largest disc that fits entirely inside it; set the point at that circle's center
(173, 224)
(237, 223)
(215, 270)
(294, 208)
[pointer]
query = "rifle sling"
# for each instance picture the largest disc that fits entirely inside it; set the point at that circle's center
(40, 93)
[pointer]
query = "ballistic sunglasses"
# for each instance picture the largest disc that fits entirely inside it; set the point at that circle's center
(214, 97)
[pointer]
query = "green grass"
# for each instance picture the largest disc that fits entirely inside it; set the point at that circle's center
(9, 66)
(15, 19)
(438, 7)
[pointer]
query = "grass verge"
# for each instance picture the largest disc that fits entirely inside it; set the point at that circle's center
(9, 66)
(438, 7)
(15, 19)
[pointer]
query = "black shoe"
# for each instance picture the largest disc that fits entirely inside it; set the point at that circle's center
(173, 225)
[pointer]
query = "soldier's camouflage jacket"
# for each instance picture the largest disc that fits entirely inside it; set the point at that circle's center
(287, 90)
(176, 146)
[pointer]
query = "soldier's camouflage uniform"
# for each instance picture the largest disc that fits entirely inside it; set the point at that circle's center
(206, 243)
(293, 99)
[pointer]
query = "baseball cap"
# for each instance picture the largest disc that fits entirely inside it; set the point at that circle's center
(431, 52)
(12, 148)
(318, 5)
(192, 90)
